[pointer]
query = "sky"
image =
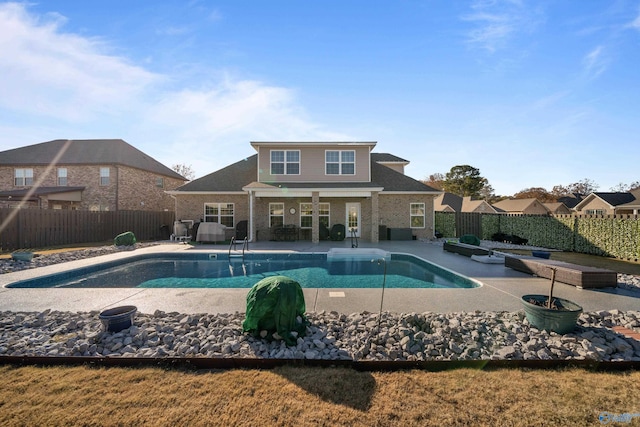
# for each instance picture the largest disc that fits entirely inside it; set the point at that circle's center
(532, 93)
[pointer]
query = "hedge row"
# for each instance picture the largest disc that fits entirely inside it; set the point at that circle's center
(616, 236)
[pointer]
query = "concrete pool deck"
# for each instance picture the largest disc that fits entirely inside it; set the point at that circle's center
(501, 288)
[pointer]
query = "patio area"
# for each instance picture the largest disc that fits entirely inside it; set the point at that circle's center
(500, 291)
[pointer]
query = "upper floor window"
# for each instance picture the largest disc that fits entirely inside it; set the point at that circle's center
(340, 162)
(285, 162)
(160, 182)
(62, 177)
(417, 215)
(222, 213)
(23, 177)
(596, 212)
(306, 214)
(104, 176)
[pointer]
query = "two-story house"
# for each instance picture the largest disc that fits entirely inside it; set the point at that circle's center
(312, 186)
(96, 174)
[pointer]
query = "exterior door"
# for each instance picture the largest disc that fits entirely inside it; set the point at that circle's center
(353, 219)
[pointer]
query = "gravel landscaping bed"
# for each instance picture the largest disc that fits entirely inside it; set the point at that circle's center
(330, 336)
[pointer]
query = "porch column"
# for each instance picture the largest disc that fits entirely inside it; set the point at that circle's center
(252, 227)
(375, 217)
(315, 218)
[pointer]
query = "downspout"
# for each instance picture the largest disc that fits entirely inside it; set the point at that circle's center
(117, 187)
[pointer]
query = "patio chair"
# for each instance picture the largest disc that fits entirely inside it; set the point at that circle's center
(241, 229)
(337, 232)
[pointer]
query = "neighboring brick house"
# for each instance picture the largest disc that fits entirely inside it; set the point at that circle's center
(610, 203)
(95, 174)
(530, 206)
(312, 186)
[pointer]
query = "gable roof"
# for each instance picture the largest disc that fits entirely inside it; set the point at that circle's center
(612, 199)
(235, 177)
(469, 205)
(557, 207)
(571, 200)
(448, 202)
(86, 152)
(515, 205)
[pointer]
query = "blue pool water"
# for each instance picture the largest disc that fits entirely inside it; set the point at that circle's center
(311, 270)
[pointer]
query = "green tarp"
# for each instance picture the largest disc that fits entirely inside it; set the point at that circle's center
(470, 239)
(276, 304)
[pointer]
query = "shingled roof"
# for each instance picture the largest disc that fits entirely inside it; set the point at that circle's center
(240, 174)
(86, 152)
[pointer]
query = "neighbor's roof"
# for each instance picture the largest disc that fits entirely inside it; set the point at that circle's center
(453, 201)
(236, 176)
(514, 205)
(86, 152)
(612, 199)
(555, 206)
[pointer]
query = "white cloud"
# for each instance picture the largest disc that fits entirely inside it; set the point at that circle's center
(51, 73)
(496, 22)
(595, 62)
(63, 83)
(636, 23)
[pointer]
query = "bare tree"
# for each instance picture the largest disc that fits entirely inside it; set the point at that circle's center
(623, 188)
(435, 180)
(184, 170)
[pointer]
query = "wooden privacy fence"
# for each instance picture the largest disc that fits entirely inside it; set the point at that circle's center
(41, 228)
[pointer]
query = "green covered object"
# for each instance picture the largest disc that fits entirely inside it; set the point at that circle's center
(470, 239)
(125, 239)
(276, 304)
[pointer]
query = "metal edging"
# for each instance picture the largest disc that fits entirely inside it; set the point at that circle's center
(359, 365)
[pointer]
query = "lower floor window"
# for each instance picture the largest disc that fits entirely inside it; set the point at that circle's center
(596, 212)
(276, 214)
(221, 213)
(306, 214)
(417, 215)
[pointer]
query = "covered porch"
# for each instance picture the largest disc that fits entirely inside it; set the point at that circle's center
(279, 212)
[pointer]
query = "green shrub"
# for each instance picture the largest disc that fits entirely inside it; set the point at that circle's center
(125, 239)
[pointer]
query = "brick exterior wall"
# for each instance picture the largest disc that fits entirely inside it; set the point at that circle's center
(394, 212)
(127, 188)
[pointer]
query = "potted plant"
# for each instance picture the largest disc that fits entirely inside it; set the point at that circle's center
(549, 313)
(22, 255)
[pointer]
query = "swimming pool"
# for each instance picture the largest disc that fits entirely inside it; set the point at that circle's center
(219, 270)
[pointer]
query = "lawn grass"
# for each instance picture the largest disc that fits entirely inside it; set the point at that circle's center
(287, 396)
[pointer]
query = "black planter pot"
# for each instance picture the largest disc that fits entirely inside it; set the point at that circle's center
(562, 320)
(118, 318)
